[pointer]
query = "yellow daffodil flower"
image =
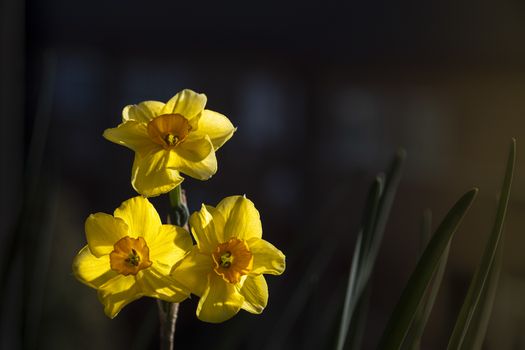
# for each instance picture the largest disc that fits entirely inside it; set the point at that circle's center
(130, 255)
(179, 136)
(225, 269)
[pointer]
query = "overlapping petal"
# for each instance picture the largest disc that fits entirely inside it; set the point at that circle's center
(220, 301)
(207, 226)
(242, 218)
(141, 217)
(160, 158)
(192, 271)
(168, 246)
(91, 270)
(255, 293)
(266, 258)
(187, 103)
(143, 112)
(152, 174)
(194, 149)
(196, 158)
(131, 134)
(117, 293)
(235, 219)
(159, 246)
(102, 231)
(216, 126)
(157, 284)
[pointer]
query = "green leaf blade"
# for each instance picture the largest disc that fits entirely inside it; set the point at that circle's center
(355, 277)
(474, 315)
(404, 312)
(392, 180)
(375, 217)
(412, 340)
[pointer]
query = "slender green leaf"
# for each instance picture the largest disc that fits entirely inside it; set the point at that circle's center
(377, 210)
(373, 199)
(356, 300)
(415, 333)
(393, 177)
(358, 321)
(417, 328)
(480, 320)
(472, 321)
(428, 264)
(413, 337)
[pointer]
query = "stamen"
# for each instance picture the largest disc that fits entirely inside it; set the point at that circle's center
(171, 139)
(226, 259)
(232, 260)
(133, 258)
(169, 130)
(129, 256)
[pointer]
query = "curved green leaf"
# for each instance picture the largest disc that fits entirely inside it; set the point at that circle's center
(375, 217)
(351, 295)
(405, 310)
(474, 315)
(417, 328)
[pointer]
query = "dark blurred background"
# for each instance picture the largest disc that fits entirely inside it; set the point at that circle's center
(322, 93)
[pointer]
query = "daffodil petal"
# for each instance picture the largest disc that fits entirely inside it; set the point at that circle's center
(168, 247)
(131, 134)
(206, 226)
(266, 258)
(255, 292)
(192, 271)
(193, 160)
(152, 175)
(217, 126)
(242, 218)
(187, 103)
(194, 149)
(141, 217)
(117, 293)
(143, 112)
(220, 301)
(91, 270)
(103, 231)
(156, 284)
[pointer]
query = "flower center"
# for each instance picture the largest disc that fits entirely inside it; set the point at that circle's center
(168, 130)
(232, 260)
(129, 256)
(226, 260)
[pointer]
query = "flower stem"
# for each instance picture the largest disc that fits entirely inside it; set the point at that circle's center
(179, 210)
(179, 215)
(168, 318)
